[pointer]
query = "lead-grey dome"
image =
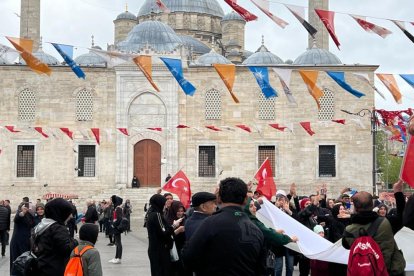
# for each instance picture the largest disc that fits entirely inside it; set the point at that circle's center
(233, 16)
(195, 45)
(210, 7)
(263, 57)
(3, 61)
(212, 58)
(317, 56)
(45, 58)
(126, 15)
(91, 59)
(156, 34)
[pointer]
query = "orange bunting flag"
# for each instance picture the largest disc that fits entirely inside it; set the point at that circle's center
(227, 73)
(327, 18)
(11, 129)
(95, 132)
(389, 81)
(306, 126)
(310, 78)
(67, 132)
(244, 127)
(145, 65)
(25, 47)
(40, 130)
(123, 130)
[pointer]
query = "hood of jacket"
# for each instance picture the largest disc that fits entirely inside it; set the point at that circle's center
(43, 225)
(58, 209)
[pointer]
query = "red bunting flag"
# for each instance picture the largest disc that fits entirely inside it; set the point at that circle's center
(162, 6)
(371, 27)
(95, 132)
(407, 172)
(123, 130)
(11, 129)
(155, 128)
(248, 16)
(213, 128)
(40, 130)
(67, 132)
(265, 183)
(327, 18)
(306, 126)
(340, 121)
(244, 127)
(179, 185)
(276, 126)
(182, 126)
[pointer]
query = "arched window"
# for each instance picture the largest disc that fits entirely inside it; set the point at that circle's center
(327, 102)
(27, 105)
(84, 105)
(266, 107)
(213, 105)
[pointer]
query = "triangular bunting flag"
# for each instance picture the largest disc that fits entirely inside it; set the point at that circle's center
(95, 132)
(284, 77)
(227, 73)
(176, 69)
(112, 58)
(67, 132)
(262, 77)
(339, 78)
(244, 127)
(365, 77)
(248, 16)
(299, 13)
(263, 5)
(182, 126)
(276, 126)
(310, 78)
(145, 65)
(306, 126)
(371, 27)
(11, 129)
(409, 78)
(155, 128)
(389, 81)
(213, 128)
(123, 130)
(340, 121)
(40, 130)
(327, 18)
(162, 6)
(400, 24)
(63, 50)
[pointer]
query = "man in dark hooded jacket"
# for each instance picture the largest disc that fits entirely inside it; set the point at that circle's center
(116, 220)
(52, 241)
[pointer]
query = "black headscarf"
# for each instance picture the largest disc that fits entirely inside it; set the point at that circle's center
(116, 201)
(157, 202)
(172, 211)
(58, 209)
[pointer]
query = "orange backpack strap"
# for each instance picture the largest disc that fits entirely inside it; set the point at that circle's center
(86, 248)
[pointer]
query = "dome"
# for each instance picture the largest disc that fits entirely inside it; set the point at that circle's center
(197, 46)
(45, 58)
(126, 15)
(91, 59)
(211, 58)
(3, 61)
(247, 54)
(233, 16)
(156, 34)
(210, 7)
(263, 57)
(316, 56)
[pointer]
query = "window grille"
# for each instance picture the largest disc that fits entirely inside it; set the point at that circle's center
(25, 160)
(267, 152)
(27, 105)
(86, 161)
(84, 105)
(327, 102)
(207, 161)
(327, 161)
(213, 105)
(267, 110)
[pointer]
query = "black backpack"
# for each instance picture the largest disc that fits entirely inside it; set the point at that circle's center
(123, 225)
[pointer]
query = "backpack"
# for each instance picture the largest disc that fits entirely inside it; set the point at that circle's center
(74, 266)
(123, 225)
(365, 256)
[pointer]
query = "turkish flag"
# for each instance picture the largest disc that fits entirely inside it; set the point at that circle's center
(266, 185)
(179, 185)
(407, 171)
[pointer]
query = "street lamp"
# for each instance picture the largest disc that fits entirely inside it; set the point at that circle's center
(373, 117)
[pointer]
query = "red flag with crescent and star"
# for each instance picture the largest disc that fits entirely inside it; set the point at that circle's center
(265, 183)
(407, 172)
(179, 185)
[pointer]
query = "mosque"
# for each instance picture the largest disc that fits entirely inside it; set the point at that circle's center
(200, 34)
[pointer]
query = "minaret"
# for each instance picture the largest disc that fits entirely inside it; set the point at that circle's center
(123, 24)
(30, 21)
(322, 36)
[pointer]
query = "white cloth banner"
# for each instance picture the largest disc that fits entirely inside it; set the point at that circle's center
(314, 246)
(365, 77)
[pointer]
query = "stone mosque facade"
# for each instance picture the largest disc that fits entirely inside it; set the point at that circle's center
(199, 33)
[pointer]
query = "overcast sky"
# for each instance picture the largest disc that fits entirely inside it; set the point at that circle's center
(74, 21)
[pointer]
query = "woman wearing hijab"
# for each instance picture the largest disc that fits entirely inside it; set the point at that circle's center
(53, 243)
(40, 213)
(159, 237)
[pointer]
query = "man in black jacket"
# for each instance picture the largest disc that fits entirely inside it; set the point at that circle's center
(204, 205)
(4, 227)
(91, 215)
(227, 243)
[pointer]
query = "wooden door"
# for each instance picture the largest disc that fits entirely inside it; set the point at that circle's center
(147, 163)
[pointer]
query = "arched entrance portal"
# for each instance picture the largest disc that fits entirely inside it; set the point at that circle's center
(147, 163)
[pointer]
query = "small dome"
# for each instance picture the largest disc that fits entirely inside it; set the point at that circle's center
(156, 34)
(210, 7)
(91, 59)
(233, 16)
(288, 61)
(212, 58)
(3, 61)
(45, 58)
(247, 54)
(197, 46)
(316, 56)
(126, 15)
(263, 57)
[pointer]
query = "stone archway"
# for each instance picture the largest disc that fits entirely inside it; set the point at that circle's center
(147, 163)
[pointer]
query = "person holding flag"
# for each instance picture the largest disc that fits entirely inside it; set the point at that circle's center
(179, 185)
